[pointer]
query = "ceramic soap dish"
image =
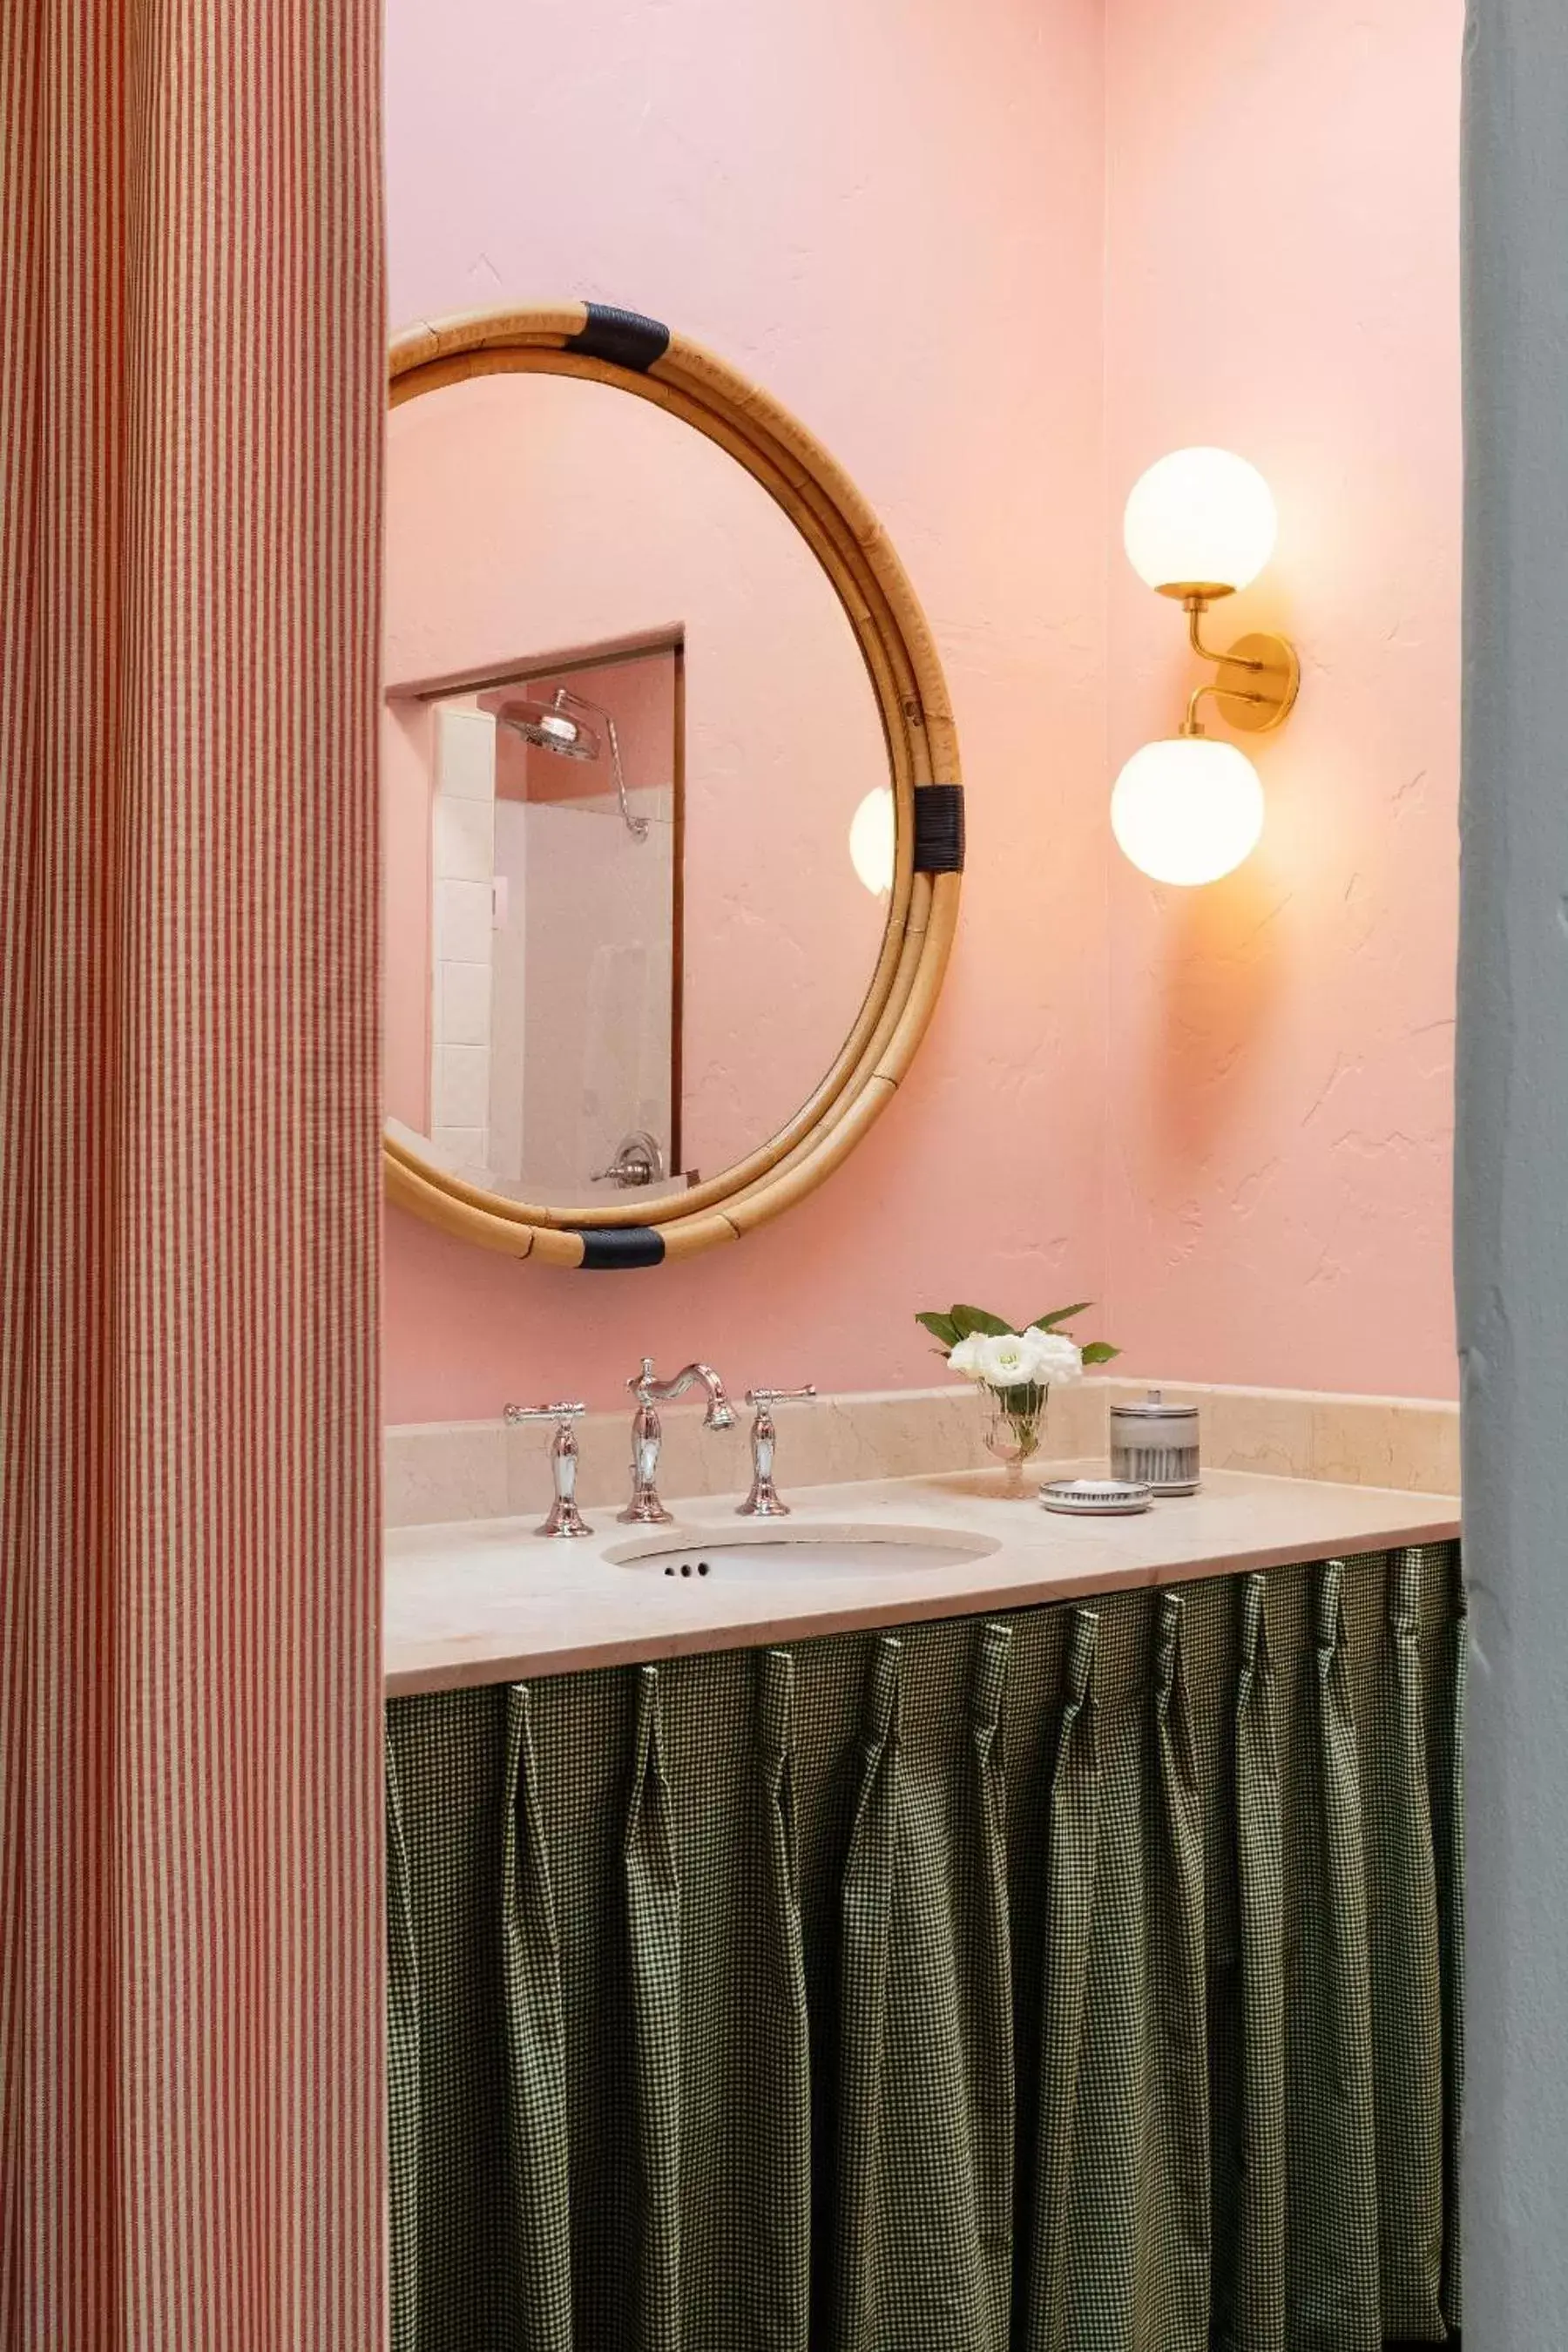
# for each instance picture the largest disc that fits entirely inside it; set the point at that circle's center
(1096, 1499)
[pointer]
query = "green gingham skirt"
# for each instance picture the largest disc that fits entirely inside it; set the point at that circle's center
(1084, 1979)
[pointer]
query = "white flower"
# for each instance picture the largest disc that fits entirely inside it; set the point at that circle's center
(1011, 1363)
(1059, 1359)
(1032, 1358)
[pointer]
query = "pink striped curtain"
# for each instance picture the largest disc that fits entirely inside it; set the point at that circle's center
(191, 1942)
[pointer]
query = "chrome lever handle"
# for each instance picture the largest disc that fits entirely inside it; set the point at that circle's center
(565, 1518)
(765, 1502)
(645, 1509)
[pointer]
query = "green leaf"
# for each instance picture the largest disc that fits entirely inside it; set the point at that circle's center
(941, 1327)
(1099, 1351)
(970, 1320)
(1060, 1315)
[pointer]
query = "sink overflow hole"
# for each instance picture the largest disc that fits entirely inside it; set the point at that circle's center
(685, 1569)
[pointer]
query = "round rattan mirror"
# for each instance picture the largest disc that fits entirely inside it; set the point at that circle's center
(673, 823)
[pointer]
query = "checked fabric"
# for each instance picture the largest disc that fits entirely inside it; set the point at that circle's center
(1084, 1979)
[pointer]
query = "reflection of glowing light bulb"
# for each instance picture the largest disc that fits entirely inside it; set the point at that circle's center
(1199, 519)
(1188, 810)
(871, 842)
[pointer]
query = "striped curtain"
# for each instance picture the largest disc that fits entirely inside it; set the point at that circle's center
(191, 1909)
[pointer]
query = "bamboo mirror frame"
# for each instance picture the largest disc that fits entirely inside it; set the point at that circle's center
(646, 359)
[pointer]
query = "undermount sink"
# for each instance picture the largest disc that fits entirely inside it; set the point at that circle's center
(780, 1553)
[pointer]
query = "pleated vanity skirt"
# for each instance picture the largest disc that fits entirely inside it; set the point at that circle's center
(1085, 1980)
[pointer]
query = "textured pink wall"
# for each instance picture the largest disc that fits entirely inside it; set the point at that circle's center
(1251, 1167)
(896, 225)
(1283, 278)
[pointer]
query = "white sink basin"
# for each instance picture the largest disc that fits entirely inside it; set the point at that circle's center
(782, 1554)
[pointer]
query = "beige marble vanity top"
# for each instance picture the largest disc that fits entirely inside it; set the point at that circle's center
(487, 1600)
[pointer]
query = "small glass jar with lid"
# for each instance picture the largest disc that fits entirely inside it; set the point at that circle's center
(1156, 1444)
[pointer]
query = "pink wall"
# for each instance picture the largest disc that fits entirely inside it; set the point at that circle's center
(1261, 1193)
(1278, 1208)
(937, 322)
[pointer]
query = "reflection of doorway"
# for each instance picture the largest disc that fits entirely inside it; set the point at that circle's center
(554, 981)
(586, 1001)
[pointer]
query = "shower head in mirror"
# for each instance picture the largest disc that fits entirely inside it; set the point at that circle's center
(550, 725)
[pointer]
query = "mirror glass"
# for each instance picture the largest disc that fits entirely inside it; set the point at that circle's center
(638, 823)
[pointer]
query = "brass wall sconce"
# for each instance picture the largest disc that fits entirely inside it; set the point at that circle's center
(1199, 525)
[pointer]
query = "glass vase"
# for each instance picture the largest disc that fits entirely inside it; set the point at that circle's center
(1015, 1429)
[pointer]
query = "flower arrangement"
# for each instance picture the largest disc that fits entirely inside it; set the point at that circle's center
(1017, 1368)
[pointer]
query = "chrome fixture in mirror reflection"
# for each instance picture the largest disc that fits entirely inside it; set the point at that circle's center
(639, 1160)
(551, 726)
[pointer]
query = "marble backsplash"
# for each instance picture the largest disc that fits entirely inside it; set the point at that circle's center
(439, 1472)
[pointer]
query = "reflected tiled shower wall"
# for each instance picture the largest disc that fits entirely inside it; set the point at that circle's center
(593, 912)
(462, 882)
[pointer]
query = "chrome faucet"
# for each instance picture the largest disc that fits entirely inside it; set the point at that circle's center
(763, 1502)
(566, 1518)
(645, 1509)
(639, 1160)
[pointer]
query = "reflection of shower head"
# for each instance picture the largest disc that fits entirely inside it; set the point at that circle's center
(551, 726)
(547, 724)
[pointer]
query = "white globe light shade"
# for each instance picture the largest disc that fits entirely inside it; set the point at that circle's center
(1188, 810)
(1200, 519)
(872, 842)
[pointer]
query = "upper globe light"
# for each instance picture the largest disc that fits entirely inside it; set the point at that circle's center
(871, 841)
(1199, 524)
(1187, 810)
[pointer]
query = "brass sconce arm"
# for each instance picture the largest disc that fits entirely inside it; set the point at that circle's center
(1194, 607)
(1259, 676)
(1191, 724)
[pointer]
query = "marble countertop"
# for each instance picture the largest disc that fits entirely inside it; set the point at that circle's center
(489, 1601)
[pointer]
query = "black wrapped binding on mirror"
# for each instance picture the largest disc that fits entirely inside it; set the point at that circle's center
(939, 829)
(624, 338)
(607, 1248)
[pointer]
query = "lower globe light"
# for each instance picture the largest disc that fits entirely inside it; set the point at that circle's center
(873, 840)
(1187, 810)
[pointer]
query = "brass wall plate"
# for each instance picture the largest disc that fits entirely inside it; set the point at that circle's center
(1278, 681)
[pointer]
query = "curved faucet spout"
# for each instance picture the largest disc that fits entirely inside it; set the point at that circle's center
(645, 1509)
(721, 1412)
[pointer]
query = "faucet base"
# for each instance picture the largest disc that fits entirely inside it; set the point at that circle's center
(762, 1504)
(645, 1511)
(565, 1519)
